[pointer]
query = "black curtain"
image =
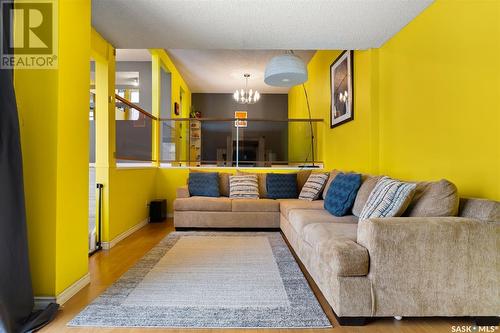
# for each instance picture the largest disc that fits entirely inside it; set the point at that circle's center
(16, 295)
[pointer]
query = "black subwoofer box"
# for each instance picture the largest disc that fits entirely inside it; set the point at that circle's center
(158, 210)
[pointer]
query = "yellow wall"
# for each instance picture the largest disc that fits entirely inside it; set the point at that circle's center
(440, 97)
(347, 146)
(130, 192)
(426, 103)
(53, 111)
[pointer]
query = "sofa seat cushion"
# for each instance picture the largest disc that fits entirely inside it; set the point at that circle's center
(286, 205)
(300, 218)
(255, 205)
(220, 204)
(315, 234)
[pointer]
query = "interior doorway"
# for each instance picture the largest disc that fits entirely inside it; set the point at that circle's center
(93, 230)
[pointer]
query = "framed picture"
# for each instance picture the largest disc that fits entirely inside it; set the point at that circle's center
(341, 87)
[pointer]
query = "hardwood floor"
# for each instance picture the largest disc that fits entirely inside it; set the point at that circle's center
(107, 266)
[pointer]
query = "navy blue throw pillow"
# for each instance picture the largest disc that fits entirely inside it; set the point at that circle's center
(281, 186)
(342, 193)
(203, 184)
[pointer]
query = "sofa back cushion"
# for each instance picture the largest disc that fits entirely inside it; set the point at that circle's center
(313, 187)
(341, 193)
(481, 209)
(281, 185)
(203, 184)
(302, 177)
(243, 186)
(434, 199)
(367, 185)
(389, 198)
(331, 177)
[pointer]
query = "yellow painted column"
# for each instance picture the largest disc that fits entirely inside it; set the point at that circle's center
(104, 55)
(156, 104)
(54, 119)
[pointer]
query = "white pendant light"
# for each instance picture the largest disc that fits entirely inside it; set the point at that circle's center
(285, 70)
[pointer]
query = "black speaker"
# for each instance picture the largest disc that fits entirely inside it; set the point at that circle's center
(158, 210)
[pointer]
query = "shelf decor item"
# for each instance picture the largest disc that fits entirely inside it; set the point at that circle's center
(342, 92)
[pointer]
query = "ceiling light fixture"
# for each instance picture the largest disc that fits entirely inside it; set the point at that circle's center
(245, 96)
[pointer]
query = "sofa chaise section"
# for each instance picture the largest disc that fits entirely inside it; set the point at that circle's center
(403, 266)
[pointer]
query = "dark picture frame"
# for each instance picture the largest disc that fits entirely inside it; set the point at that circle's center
(342, 89)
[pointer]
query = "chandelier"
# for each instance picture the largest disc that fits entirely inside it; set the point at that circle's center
(245, 96)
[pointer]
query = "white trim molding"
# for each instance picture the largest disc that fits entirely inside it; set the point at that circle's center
(42, 301)
(123, 235)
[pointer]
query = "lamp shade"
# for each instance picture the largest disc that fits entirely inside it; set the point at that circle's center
(285, 70)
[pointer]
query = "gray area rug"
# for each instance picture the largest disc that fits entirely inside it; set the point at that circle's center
(210, 280)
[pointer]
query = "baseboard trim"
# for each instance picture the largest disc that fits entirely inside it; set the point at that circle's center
(123, 235)
(41, 302)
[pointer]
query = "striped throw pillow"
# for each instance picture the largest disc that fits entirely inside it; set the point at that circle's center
(313, 186)
(244, 186)
(388, 198)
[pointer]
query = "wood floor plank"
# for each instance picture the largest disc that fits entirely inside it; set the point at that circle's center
(107, 266)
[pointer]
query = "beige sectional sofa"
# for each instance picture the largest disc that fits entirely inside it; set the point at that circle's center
(441, 259)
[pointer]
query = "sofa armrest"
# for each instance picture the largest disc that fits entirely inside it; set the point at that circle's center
(433, 266)
(182, 192)
(347, 258)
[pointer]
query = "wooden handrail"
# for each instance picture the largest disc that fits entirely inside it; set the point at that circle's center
(135, 106)
(234, 161)
(289, 120)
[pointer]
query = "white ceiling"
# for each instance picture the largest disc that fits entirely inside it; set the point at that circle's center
(252, 24)
(121, 78)
(221, 71)
(133, 55)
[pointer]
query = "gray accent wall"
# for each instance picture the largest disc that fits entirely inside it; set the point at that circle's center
(145, 84)
(214, 134)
